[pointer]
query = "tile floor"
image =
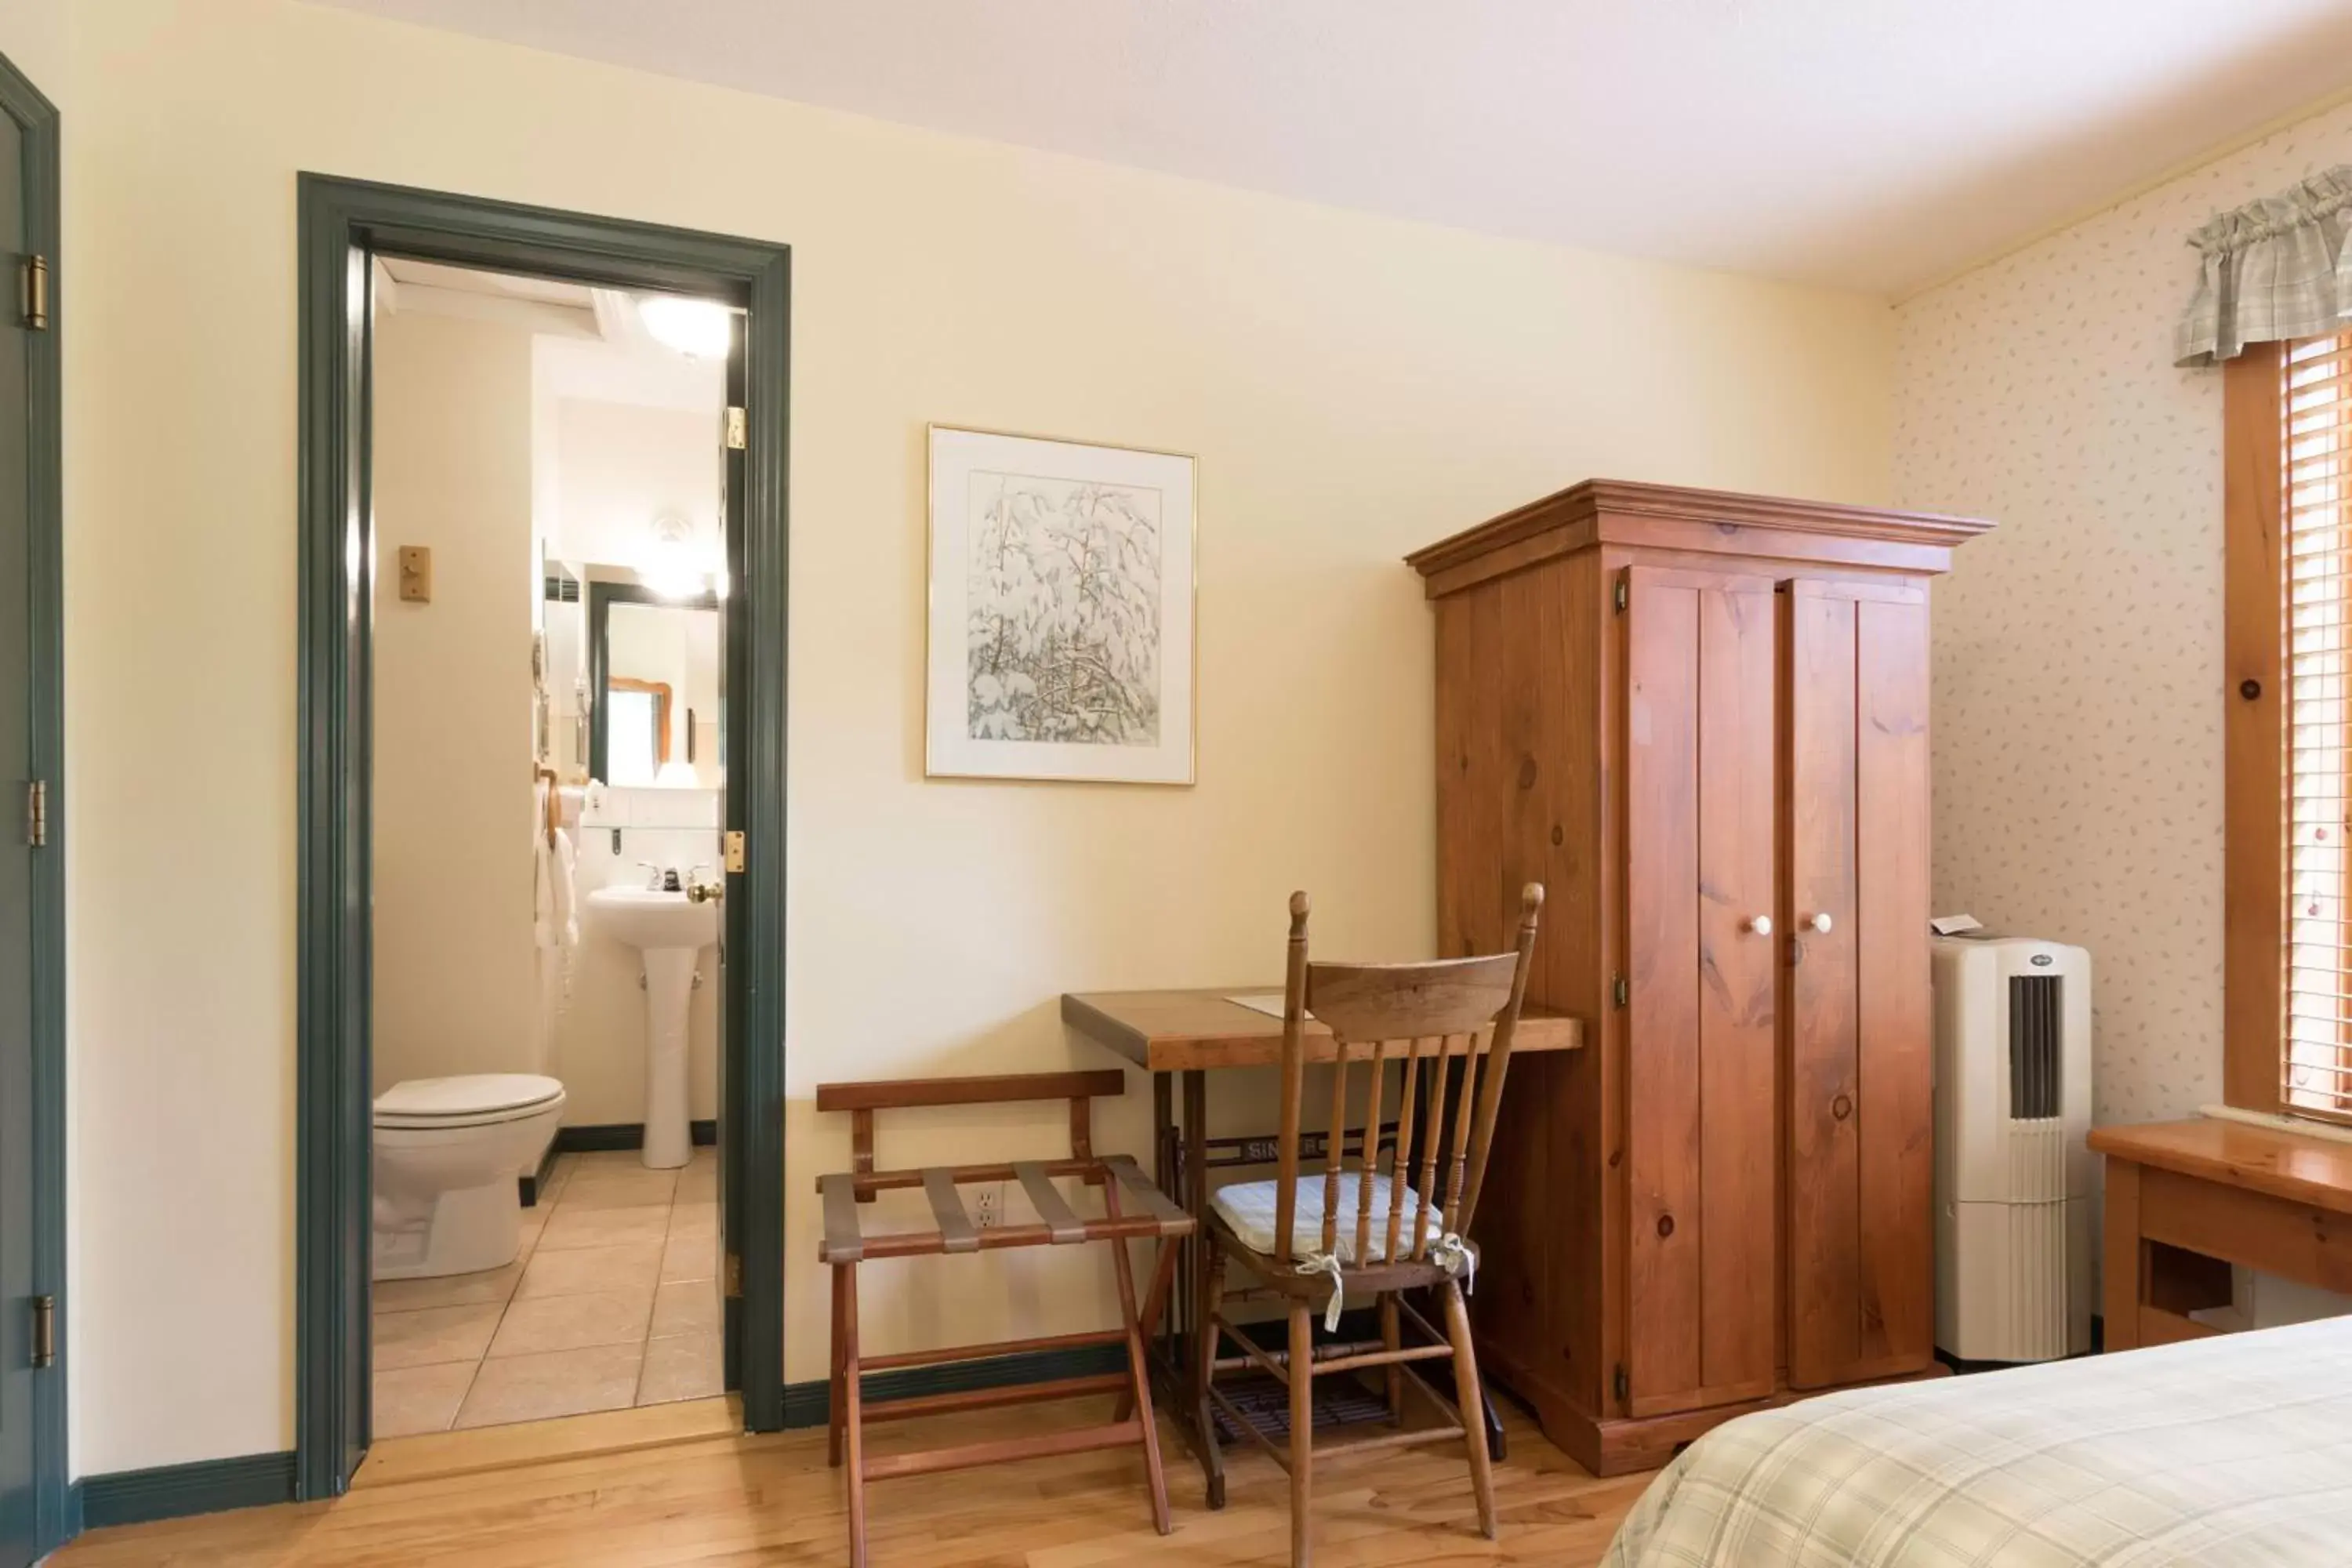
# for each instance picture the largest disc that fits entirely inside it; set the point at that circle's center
(613, 1302)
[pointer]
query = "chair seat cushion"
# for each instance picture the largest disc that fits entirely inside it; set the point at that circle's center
(1247, 1209)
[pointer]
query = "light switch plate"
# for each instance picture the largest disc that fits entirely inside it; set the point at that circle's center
(416, 574)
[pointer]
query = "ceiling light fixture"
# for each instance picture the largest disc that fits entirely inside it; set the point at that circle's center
(699, 329)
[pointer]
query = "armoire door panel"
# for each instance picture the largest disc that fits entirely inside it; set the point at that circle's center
(1892, 789)
(1663, 1278)
(1737, 637)
(1825, 1173)
(1699, 1029)
(1860, 1157)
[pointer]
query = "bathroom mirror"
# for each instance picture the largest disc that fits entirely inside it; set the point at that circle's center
(653, 709)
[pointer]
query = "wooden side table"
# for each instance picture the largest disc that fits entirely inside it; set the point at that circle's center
(2187, 1199)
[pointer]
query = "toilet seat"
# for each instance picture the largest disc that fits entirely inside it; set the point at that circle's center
(467, 1099)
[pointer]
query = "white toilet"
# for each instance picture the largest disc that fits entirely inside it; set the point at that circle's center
(447, 1152)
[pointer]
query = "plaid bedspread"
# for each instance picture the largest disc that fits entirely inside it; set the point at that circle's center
(2231, 1450)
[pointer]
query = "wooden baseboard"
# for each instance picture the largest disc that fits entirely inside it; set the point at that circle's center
(600, 1138)
(806, 1404)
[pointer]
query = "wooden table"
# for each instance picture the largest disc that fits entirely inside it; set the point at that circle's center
(1179, 1037)
(2187, 1199)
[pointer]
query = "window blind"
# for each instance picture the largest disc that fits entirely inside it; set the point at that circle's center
(2315, 1056)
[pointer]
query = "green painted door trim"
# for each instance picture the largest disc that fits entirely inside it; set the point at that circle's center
(339, 222)
(37, 118)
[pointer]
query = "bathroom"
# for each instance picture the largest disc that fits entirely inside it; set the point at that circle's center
(548, 779)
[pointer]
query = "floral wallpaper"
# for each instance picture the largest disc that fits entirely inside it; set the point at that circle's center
(2078, 647)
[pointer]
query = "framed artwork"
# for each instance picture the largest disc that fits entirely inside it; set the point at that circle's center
(1061, 611)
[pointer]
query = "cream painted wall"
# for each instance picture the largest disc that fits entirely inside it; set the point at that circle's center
(33, 36)
(456, 981)
(2078, 673)
(1353, 387)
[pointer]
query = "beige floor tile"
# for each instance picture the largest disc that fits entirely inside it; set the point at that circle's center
(434, 1334)
(490, 1284)
(685, 1306)
(558, 1383)
(619, 1189)
(628, 1269)
(607, 1161)
(534, 1220)
(698, 1184)
(687, 1367)
(689, 1257)
(694, 1219)
(571, 1227)
(413, 1399)
(570, 1323)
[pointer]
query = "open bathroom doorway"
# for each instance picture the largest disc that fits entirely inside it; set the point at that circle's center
(541, 867)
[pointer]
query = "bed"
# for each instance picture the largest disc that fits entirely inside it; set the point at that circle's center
(2231, 1450)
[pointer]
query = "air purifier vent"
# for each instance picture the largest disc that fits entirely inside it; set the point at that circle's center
(2036, 1024)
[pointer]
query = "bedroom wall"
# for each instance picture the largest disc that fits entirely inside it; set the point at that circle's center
(1353, 387)
(2078, 690)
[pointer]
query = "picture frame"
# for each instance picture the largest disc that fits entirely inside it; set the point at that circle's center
(1061, 610)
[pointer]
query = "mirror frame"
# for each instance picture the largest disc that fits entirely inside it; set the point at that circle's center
(602, 597)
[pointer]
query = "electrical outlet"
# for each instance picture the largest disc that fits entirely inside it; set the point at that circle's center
(988, 1207)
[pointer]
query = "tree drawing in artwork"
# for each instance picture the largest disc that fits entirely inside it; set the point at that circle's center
(1063, 616)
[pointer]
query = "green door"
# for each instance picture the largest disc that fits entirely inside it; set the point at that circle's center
(18, 1513)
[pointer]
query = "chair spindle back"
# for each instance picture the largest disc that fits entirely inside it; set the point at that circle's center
(1450, 1021)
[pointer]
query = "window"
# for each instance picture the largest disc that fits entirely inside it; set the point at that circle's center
(2288, 957)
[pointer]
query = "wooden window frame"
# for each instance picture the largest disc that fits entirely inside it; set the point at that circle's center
(2253, 848)
(2258, 979)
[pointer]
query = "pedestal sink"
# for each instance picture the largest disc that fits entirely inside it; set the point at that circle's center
(670, 931)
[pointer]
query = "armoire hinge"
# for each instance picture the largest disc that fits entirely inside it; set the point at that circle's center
(1620, 993)
(1620, 1385)
(1623, 594)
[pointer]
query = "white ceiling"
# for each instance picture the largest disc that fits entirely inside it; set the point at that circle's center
(1871, 143)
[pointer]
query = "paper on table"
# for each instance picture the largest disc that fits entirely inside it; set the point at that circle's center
(1269, 1003)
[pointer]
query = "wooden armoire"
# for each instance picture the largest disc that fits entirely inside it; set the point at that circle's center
(1700, 720)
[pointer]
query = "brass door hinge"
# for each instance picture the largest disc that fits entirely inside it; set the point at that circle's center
(1621, 1384)
(1624, 592)
(45, 1331)
(738, 431)
(1620, 993)
(37, 293)
(731, 851)
(734, 1268)
(36, 812)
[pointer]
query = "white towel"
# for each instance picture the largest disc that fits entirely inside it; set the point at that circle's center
(567, 902)
(542, 891)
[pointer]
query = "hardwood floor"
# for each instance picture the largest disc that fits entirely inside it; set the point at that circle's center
(708, 1501)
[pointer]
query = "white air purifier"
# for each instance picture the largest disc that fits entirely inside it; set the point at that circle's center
(2013, 1206)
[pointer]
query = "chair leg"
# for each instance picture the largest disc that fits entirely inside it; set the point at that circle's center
(1470, 1397)
(1302, 1433)
(853, 1417)
(1138, 1378)
(835, 1410)
(1210, 1298)
(1393, 1341)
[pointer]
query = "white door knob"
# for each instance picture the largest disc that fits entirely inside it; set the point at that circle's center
(1761, 925)
(1821, 923)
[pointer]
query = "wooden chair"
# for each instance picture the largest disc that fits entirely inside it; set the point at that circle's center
(1370, 1233)
(846, 1245)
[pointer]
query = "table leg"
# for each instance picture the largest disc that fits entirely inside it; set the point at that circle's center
(1163, 1177)
(1193, 1169)
(2124, 1285)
